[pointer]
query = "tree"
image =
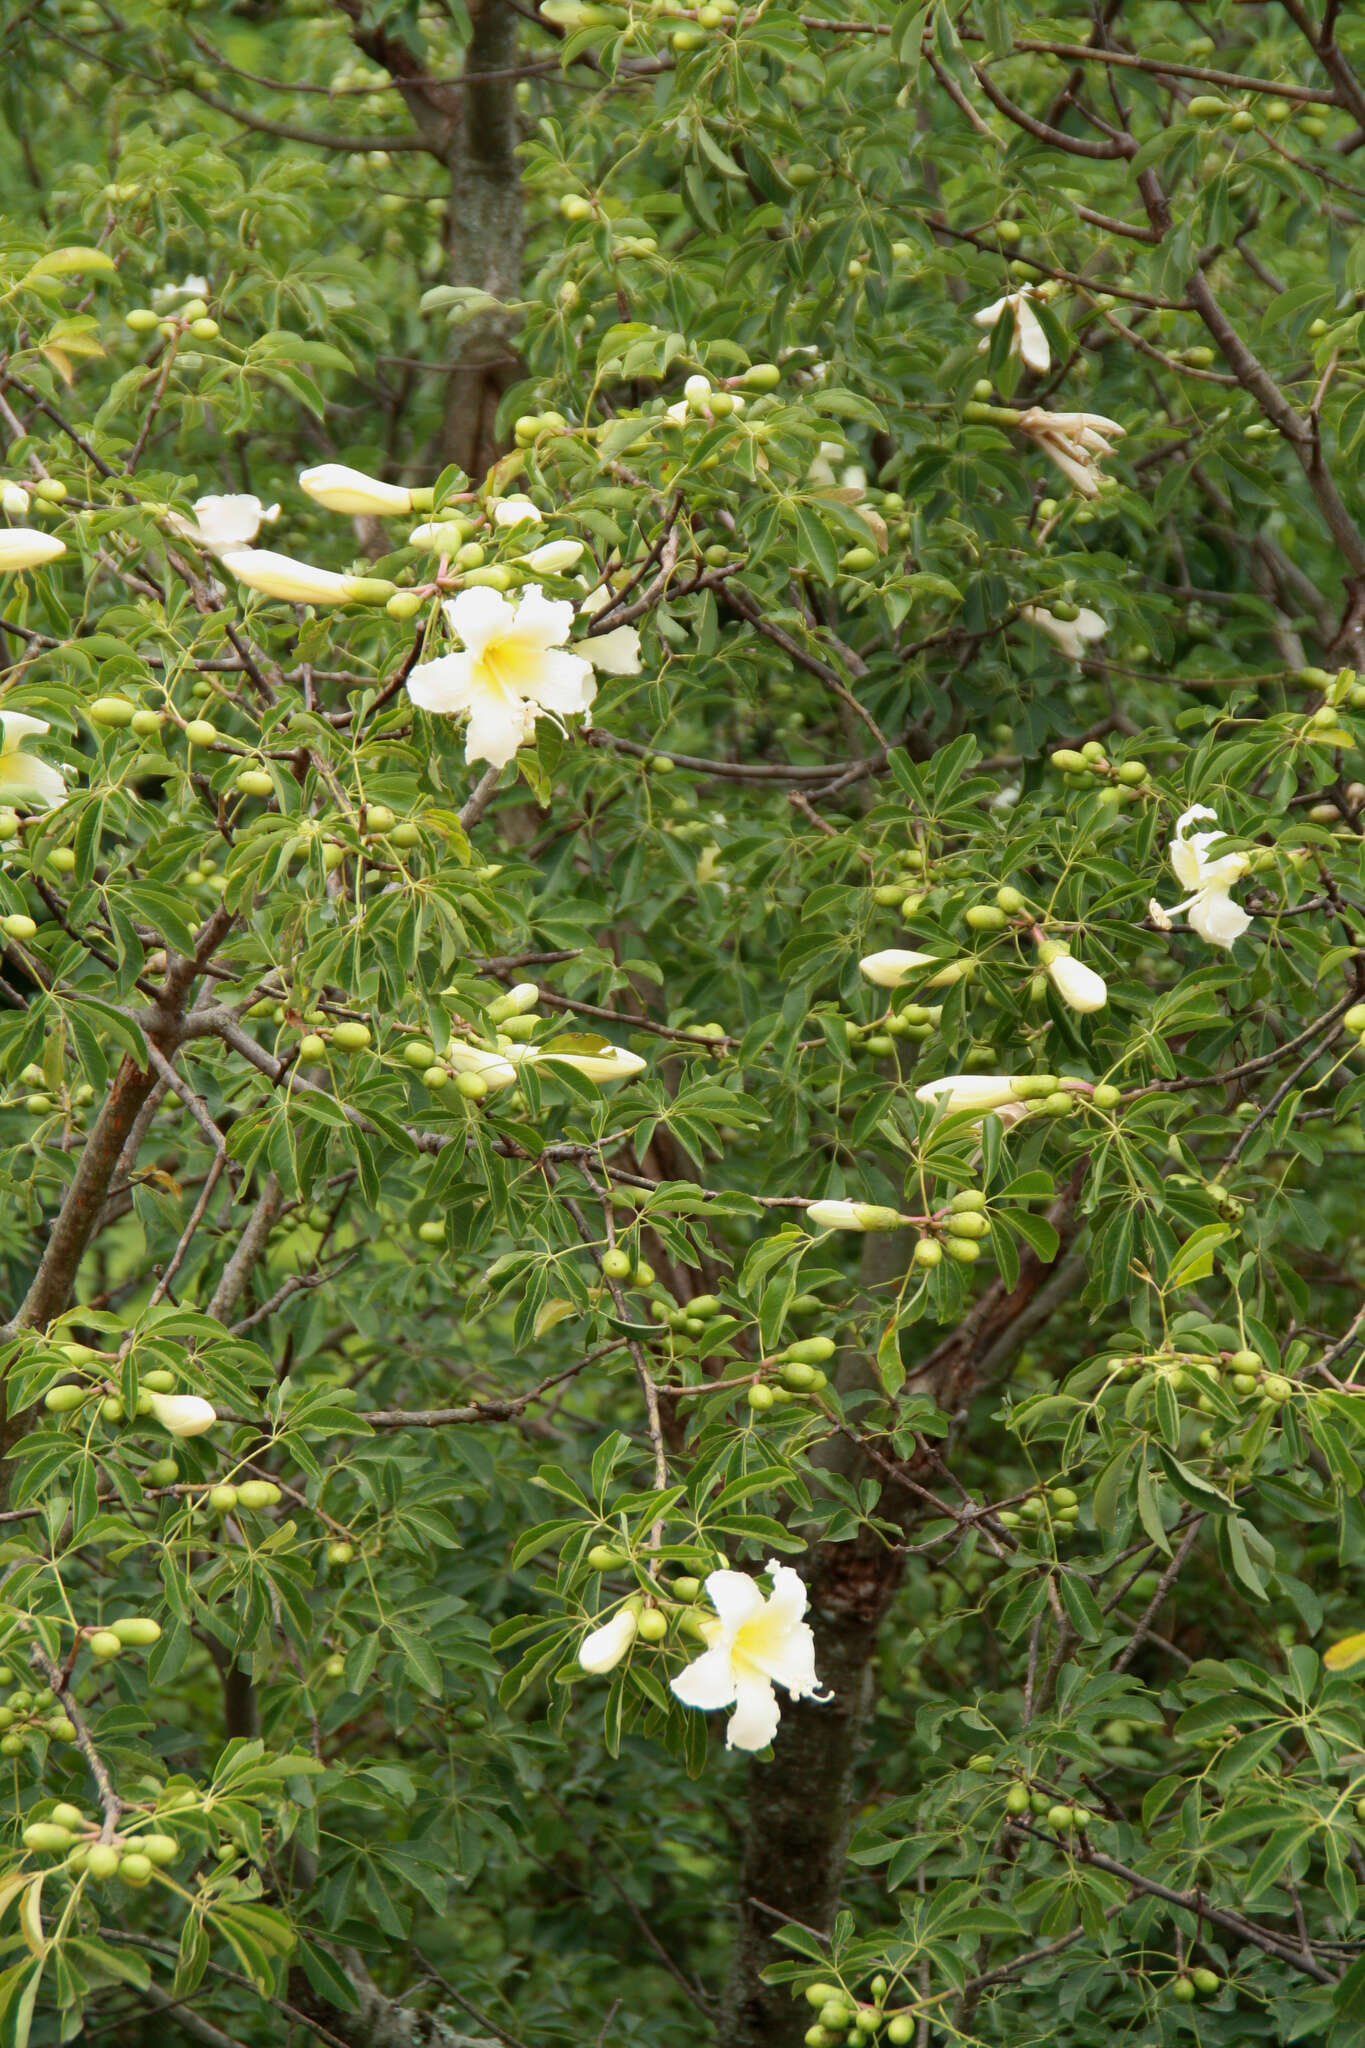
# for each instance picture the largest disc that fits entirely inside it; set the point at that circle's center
(682, 999)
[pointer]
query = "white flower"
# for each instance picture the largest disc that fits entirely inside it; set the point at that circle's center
(23, 547)
(852, 1216)
(513, 668)
(979, 1092)
(603, 1650)
(595, 1058)
(296, 582)
(752, 1645)
(821, 471)
(349, 490)
(165, 295)
(518, 510)
(555, 558)
(24, 779)
(1079, 987)
(709, 864)
(616, 653)
(1071, 635)
(183, 1414)
(1076, 441)
(229, 520)
(13, 501)
(1209, 908)
(1028, 342)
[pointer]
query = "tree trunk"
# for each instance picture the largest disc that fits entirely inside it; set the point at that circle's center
(801, 1803)
(484, 237)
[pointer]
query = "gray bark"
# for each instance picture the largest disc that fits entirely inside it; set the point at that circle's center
(484, 239)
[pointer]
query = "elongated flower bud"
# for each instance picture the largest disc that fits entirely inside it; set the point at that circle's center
(299, 582)
(477, 1059)
(1079, 987)
(555, 558)
(597, 1062)
(890, 969)
(23, 547)
(852, 1216)
(520, 998)
(349, 490)
(979, 1092)
(183, 1414)
(603, 1650)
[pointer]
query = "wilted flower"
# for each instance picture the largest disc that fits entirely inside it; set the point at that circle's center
(1209, 909)
(603, 1650)
(1076, 441)
(183, 1414)
(1079, 987)
(513, 668)
(24, 779)
(165, 295)
(349, 490)
(24, 547)
(13, 501)
(230, 520)
(852, 1216)
(518, 510)
(1029, 342)
(554, 558)
(753, 1644)
(296, 582)
(1071, 635)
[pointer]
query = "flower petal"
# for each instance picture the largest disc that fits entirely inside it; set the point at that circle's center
(17, 726)
(755, 1720)
(616, 653)
(24, 779)
(498, 725)
(1029, 339)
(707, 1682)
(1217, 919)
(445, 685)
(603, 1650)
(564, 683)
(477, 616)
(735, 1597)
(542, 622)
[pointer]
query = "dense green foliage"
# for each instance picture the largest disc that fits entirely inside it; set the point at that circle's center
(1070, 1454)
